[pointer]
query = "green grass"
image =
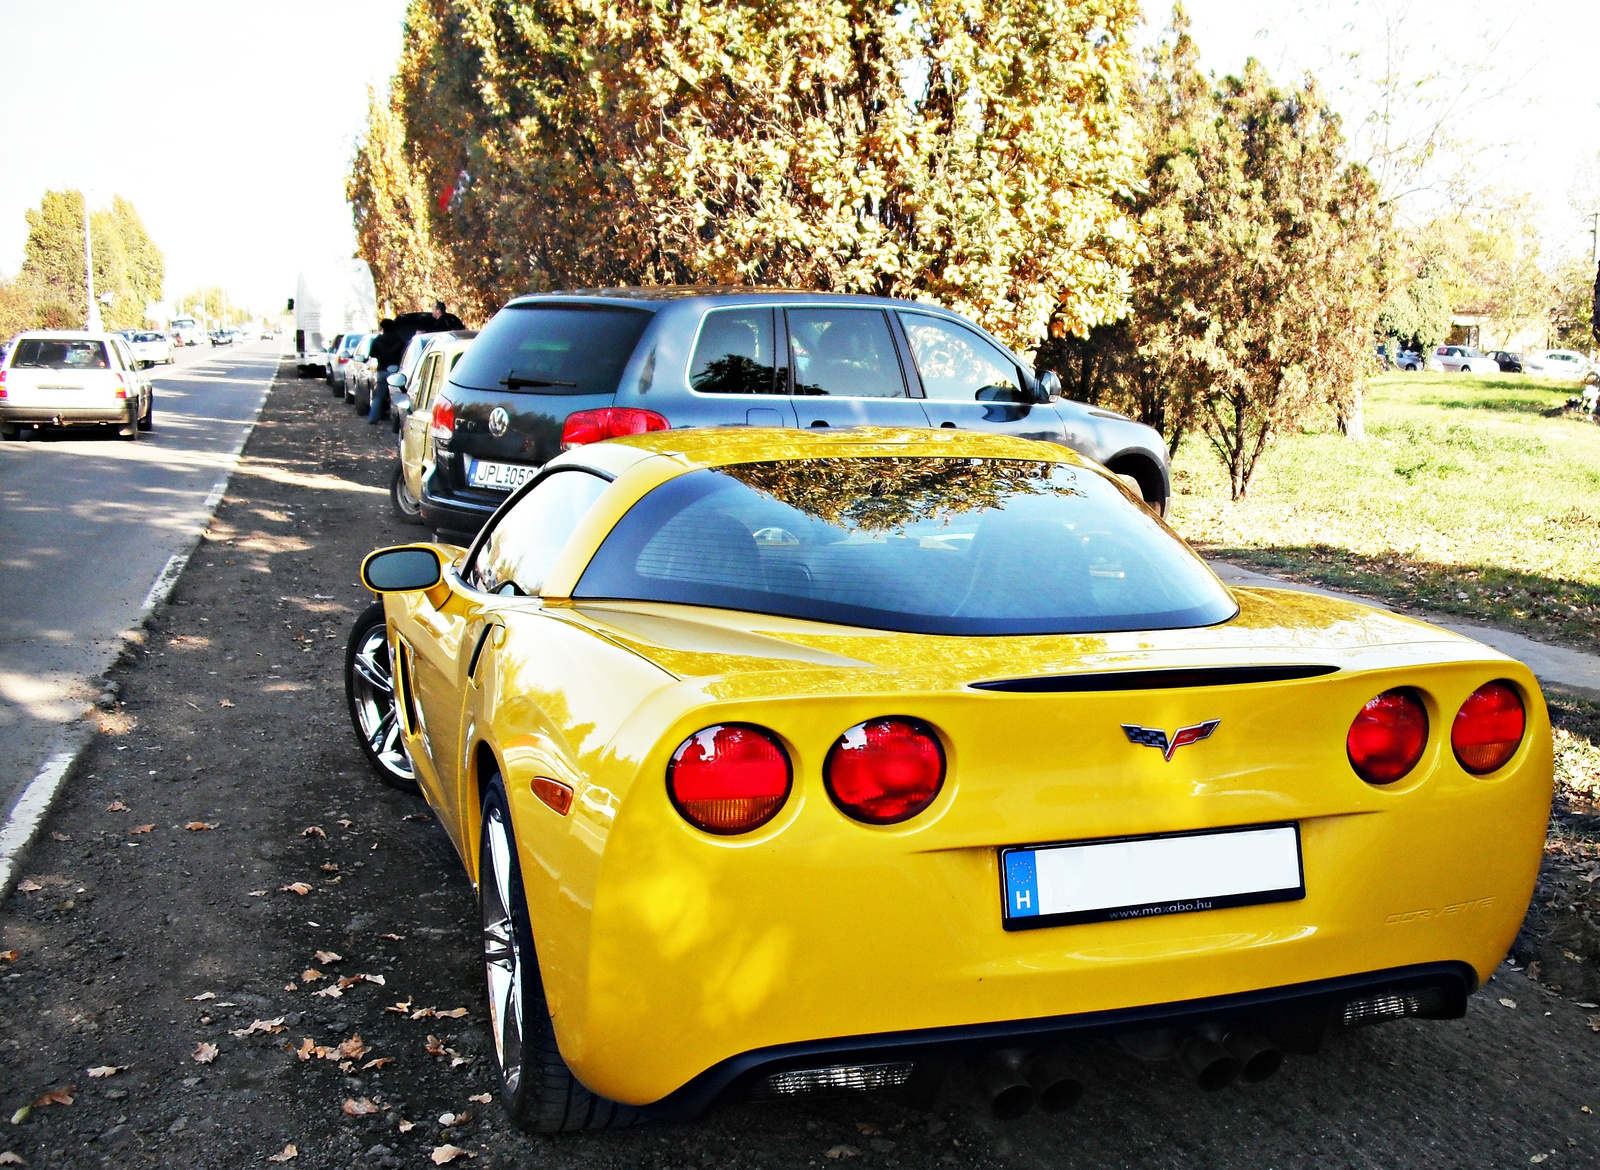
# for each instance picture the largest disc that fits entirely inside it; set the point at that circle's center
(1473, 496)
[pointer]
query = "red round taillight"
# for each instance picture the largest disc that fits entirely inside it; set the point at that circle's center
(1488, 728)
(884, 770)
(729, 778)
(1387, 737)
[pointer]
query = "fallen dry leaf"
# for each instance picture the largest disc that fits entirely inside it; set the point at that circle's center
(310, 1048)
(11, 1158)
(55, 836)
(481, 1098)
(268, 1026)
(310, 975)
(300, 888)
(416, 817)
(1505, 1002)
(21, 1115)
(203, 1053)
(446, 1120)
(395, 937)
(329, 957)
(449, 1153)
(377, 1062)
(116, 806)
(435, 1046)
(456, 1059)
(1594, 1023)
(61, 1096)
(1533, 970)
(402, 1006)
(352, 1049)
(204, 995)
(837, 1152)
(346, 824)
(8, 956)
(226, 703)
(29, 886)
(257, 894)
(332, 991)
(106, 1070)
(140, 829)
(288, 1155)
(360, 1108)
(198, 826)
(313, 831)
(406, 1126)
(452, 1014)
(329, 867)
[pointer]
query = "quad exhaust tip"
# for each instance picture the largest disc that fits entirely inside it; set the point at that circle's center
(1015, 1080)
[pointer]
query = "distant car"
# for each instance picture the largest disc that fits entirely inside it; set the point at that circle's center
(1557, 363)
(355, 368)
(339, 357)
(1404, 359)
(411, 361)
(1510, 363)
(411, 397)
(221, 337)
(1461, 359)
(72, 378)
(151, 349)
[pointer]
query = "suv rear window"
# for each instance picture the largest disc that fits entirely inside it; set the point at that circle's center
(553, 349)
(38, 353)
(923, 545)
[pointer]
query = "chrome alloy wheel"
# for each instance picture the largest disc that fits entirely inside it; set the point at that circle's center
(373, 700)
(502, 955)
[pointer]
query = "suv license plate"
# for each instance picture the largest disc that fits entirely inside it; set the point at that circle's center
(500, 477)
(1147, 877)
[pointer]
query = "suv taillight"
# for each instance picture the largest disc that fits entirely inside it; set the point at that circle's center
(1387, 736)
(2, 383)
(729, 778)
(609, 422)
(1488, 729)
(443, 424)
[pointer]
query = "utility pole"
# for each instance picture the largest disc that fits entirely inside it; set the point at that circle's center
(1595, 232)
(91, 320)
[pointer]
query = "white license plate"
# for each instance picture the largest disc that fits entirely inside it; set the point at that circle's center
(1147, 877)
(503, 477)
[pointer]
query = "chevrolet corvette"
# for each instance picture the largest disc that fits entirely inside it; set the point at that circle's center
(790, 763)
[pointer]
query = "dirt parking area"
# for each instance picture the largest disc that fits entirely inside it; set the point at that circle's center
(232, 940)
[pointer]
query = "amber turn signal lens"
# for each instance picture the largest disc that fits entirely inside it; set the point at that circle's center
(1387, 737)
(1488, 728)
(729, 778)
(554, 793)
(885, 770)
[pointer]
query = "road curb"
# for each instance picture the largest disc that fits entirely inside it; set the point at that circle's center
(27, 816)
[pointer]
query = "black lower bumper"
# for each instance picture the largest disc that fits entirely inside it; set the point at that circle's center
(454, 515)
(1433, 990)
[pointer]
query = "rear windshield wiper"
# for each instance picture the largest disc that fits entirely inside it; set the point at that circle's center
(514, 382)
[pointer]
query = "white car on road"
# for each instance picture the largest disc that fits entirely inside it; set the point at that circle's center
(1556, 363)
(151, 349)
(1461, 359)
(67, 378)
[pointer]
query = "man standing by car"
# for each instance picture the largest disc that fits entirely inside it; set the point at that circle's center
(386, 352)
(444, 319)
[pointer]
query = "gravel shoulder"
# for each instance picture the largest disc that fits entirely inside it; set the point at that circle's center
(159, 918)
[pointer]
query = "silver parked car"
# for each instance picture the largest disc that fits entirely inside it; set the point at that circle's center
(1462, 359)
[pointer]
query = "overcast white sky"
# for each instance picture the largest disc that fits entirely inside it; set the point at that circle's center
(231, 124)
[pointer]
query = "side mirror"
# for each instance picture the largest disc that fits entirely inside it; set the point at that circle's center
(400, 402)
(1049, 386)
(397, 381)
(407, 569)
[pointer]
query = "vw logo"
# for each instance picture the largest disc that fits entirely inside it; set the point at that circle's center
(499, 421)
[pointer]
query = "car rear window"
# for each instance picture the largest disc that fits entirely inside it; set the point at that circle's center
(553, 349)
(923, 545)
(40, 353)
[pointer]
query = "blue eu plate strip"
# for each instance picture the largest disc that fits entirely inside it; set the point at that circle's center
(1022, 885)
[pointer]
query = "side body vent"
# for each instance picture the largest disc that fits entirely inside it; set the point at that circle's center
(1152, 680)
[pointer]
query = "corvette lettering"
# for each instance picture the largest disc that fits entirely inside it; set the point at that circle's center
(1157, 738)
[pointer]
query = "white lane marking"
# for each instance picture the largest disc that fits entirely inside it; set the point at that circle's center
(215, 498)
(27, 815)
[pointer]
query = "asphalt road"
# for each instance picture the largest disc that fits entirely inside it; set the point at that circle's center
(88, 522)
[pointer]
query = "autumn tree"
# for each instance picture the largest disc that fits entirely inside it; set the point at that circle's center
(128, 267)
(1417, 313)
(976, 153)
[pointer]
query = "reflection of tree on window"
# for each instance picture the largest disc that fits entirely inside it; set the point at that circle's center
(957, 365)
(734, 354)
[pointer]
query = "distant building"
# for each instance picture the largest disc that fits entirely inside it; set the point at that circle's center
(1474, 326)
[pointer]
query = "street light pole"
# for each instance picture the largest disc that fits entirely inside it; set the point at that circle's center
(91, 320)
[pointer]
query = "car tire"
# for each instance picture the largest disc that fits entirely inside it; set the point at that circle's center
(406, 506)
(537, 1089)
(369, 694)
(148, 422)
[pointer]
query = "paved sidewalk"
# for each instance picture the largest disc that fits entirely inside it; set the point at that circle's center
(1557, 665)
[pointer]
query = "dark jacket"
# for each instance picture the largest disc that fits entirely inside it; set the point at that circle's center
(388, 348)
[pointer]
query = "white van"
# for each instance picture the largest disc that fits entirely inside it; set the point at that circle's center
(67, 378)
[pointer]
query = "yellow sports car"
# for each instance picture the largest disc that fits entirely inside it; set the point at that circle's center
(790, 763)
